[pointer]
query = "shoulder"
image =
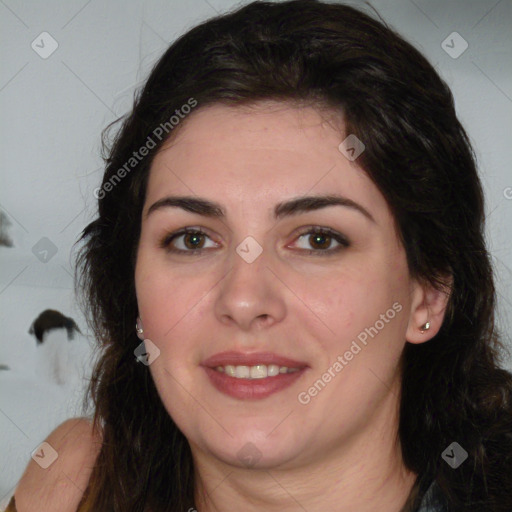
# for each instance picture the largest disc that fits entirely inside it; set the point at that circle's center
(61, 485)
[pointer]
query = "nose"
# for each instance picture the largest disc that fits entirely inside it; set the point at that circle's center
(251, 296)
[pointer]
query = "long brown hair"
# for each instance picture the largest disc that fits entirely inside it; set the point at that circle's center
(418, 155)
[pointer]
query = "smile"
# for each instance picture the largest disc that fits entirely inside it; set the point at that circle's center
(259, 371)
(252, 376)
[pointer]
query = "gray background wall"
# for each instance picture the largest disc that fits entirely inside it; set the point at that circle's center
(54, 108)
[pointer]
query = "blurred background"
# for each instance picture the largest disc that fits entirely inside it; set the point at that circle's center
(70, 68)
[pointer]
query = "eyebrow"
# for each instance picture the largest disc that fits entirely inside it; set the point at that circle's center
(291, 207)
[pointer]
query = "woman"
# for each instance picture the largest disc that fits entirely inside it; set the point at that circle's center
(289, 281)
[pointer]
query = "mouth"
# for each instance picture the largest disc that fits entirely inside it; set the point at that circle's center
(259, 371)
(252, 376)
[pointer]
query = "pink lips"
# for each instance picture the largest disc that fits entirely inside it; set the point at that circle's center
(251, 388)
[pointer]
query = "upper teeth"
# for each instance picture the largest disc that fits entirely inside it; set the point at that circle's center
(260, 371)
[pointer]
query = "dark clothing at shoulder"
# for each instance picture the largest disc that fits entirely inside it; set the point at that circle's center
(433, 500)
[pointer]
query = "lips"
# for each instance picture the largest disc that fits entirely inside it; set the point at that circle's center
(250, 388)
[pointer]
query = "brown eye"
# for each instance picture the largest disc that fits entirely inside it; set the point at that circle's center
(192, 241)
(321, 239)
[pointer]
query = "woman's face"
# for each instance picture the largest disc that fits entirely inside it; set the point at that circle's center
(265, 293)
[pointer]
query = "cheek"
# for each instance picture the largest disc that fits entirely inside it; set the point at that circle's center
(171, 306)
(352, 304)
(346, 298)
(161, 303)
(157, 295)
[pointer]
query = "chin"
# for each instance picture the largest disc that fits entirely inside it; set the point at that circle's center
(253, 448)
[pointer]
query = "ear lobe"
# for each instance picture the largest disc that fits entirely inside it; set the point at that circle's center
(139, 329)
(428, 310)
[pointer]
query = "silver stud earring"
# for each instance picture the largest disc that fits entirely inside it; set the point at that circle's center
(425, 327)
(139, 329)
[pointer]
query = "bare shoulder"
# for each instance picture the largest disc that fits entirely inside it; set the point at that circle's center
(60, 486)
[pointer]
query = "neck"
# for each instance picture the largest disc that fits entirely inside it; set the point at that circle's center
(363, 473)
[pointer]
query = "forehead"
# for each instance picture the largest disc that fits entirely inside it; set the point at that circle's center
(260, 155)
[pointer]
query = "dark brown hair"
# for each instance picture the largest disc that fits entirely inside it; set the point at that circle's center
(418, 155)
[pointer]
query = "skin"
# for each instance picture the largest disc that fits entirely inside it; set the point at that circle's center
(340, 451)
(60, 485)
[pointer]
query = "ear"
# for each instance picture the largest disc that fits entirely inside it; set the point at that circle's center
(139, 329)
(427, 305)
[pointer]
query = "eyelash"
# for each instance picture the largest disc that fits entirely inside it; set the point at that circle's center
(310, 230)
